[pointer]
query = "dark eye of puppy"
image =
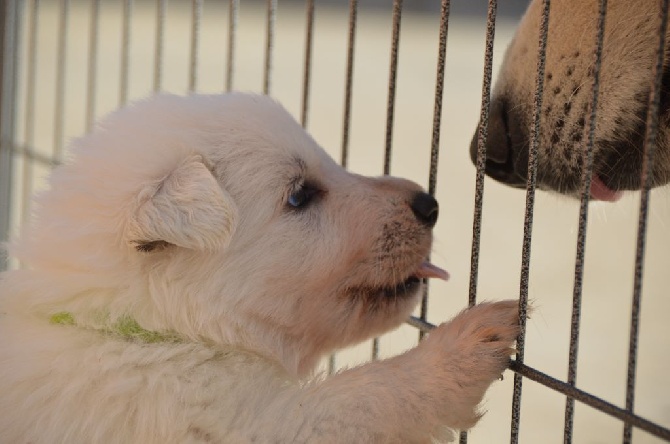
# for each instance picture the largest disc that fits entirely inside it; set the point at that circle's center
(302, 196)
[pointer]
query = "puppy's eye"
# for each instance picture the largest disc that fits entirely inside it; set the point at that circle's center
(301, 197)
(298, 198)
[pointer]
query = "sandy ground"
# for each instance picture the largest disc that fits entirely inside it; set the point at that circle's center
(611, 231)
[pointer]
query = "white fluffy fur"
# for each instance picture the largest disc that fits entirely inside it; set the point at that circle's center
(257, 291)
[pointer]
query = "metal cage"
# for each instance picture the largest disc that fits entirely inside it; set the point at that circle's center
(25, 154)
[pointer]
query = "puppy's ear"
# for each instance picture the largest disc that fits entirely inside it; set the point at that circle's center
(187, 208)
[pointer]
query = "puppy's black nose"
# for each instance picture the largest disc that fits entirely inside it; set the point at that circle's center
(425, 208)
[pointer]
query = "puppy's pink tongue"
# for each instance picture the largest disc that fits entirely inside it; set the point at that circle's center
(600, 191)
(428, 270)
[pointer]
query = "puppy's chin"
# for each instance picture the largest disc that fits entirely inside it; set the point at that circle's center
(398, 294)
(389, 297)
(377, 310)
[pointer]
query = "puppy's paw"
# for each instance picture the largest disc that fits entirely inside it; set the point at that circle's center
(476, 346)
(482, 338)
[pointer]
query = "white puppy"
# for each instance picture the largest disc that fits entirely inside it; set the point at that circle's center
(192, 263)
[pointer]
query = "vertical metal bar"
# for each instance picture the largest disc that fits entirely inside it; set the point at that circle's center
(481, 149)
(439, 92)
(161, 8)
(196, 14)
(29, 118)
(92, 63)
(351, 45)
(390, 108)
(9, 43)
(646, 181)
(332, 365)
(308, 62)
(481, 158)
(59, 112)
(272, 13)
(587, 173)
(232, 32)
(353, 8)
(528, 218)
(393, 69)
(437, 120)
(125, 51)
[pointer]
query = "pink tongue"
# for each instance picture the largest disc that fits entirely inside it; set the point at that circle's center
(600, 191)
(428, 270)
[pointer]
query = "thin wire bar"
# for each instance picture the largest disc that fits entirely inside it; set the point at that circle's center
(234, 7)
(393, 73)
(375, 349)
(390, 108)
(93, 35)
(9, 48)
(125, 51)
(161, 7)
(439, 93)
(59, 112)
(29, 118)
(353, 8)
(308, 63)
(587, 173)
(33, 155)
(267, 73)
(481, 149)
(437, 120)
(590, 400)
(481, 159)
(531, 184)
(571, 391)
(196, 15)
(646, 181)
(332, 365)
(421, 324)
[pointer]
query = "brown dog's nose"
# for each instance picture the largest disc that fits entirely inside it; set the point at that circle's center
(506, 146)
(425, 208)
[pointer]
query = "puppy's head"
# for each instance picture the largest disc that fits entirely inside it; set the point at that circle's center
(629, 53)
(219, 218)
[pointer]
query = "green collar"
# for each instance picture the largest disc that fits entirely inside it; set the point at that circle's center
(125, 328)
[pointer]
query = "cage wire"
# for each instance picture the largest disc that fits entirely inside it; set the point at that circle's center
(583, 217)
(14, 14)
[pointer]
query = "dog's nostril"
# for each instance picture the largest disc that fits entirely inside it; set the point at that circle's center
(425, 208)
(498, 141)
(503, 127)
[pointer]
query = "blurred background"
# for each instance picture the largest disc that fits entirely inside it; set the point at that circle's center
(71, 71)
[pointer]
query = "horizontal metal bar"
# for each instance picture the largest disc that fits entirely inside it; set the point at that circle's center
(31, 154)
(422, 325)
(571, 391)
